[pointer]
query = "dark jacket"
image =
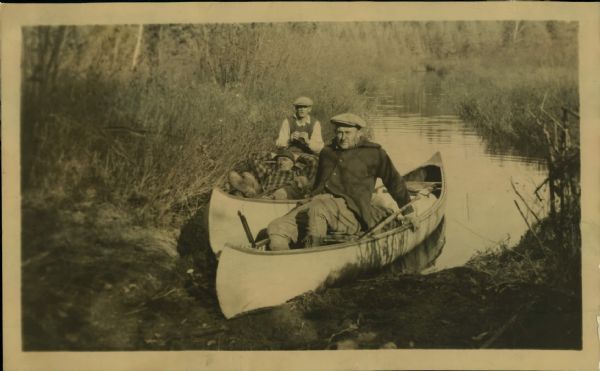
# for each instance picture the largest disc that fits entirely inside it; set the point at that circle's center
(352, 173)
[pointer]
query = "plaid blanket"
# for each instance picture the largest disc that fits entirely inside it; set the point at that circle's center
(264, 166)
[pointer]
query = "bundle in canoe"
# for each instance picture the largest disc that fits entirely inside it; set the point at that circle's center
(251, 278)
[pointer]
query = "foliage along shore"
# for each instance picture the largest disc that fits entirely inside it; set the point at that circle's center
(150, 117)
(119, 156)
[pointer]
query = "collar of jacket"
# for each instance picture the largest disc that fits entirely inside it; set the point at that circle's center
(363, 143)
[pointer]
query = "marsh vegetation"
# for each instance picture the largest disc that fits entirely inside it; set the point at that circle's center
(126, 128)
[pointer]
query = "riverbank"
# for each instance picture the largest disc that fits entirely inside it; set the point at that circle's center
(153, 134)
(94, 280)
(508, 107)
(118, 161)
(95, 277)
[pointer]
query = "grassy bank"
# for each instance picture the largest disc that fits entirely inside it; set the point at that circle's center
(149, 117)
(504, 99)
(549, 254)
(155, 138)
(119, 154)
(520, 109)
(101, 283)
(156, 149)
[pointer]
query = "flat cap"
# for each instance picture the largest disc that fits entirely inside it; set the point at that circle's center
(349, 119)
(303, 101)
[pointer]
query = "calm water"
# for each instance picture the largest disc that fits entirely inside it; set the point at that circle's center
(480, 211)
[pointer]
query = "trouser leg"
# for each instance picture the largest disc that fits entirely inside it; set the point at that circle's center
(324, 213)
(330, 213)
(284, 230)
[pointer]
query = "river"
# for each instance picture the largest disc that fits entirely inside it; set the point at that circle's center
(413, 123)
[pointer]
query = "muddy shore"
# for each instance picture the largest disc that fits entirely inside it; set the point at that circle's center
(93, 280)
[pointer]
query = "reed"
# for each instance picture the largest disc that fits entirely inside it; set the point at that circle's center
(550, 252)
(553, 259)
(501, 102)
(149, 117)
(130, 125)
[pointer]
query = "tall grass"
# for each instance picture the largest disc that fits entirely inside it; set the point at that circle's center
(151, 117)
(151, 134)
(549, 254)
(501, 97)
(158, 139)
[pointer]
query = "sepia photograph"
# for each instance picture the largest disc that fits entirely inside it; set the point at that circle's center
(299, 183)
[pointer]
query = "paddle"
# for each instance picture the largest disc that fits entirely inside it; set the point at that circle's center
(415, 186)
(247, 229)
(387, 220)
(394, 215)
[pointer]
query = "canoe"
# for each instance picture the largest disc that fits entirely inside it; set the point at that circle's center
(249, 278)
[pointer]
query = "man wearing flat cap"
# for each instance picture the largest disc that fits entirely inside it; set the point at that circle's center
(300, 132)
(344, 185)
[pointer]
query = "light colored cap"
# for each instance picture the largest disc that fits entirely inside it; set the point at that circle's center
(349, 119)
(303, 101)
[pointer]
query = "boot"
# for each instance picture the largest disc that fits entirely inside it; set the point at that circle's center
(242, 184)
(236, 180)
(251, 183)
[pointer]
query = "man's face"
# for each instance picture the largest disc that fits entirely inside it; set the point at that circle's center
(302, 111)
(284, 163)
(346, 136)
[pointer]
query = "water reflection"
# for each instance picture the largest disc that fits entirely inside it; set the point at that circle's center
(480, 212)
(423, 256)
(419, 93)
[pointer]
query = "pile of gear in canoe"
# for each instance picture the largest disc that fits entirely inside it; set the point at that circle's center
(281, 175)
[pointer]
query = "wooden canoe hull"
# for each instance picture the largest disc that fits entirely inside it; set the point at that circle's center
(249, 279)
(224, 226)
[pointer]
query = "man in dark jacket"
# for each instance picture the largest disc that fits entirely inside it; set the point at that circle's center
(344, 185)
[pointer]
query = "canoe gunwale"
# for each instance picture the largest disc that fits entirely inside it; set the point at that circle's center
(258, 200)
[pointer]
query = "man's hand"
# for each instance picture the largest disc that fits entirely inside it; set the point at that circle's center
(409, 219)
(304, 135)
(297, 135)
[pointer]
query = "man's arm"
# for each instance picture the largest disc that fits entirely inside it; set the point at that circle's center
(394, 182)
(316, 143)
(284, 134)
